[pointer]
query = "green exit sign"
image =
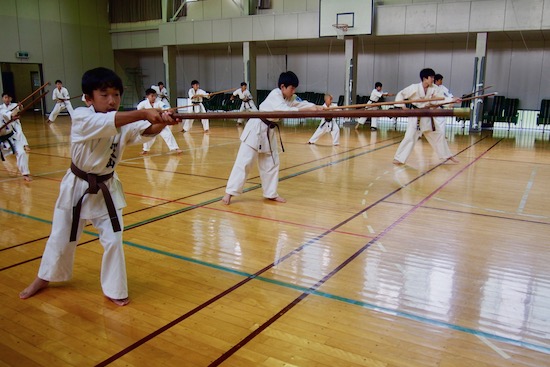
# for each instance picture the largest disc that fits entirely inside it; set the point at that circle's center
(22, 55)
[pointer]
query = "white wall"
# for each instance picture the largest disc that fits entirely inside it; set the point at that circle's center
(66, 37)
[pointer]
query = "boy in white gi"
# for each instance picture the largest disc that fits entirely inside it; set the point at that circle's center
(258, 141)
(441, 121)
(61, 95)
(162, 93)
(7, 106)
(99, 135)
(327, 126)
(10, 143)
(423, 90)
(151, 101)
(195, 96)
(246, 98)
(375, 96)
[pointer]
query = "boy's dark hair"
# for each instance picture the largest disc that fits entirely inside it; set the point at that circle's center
(6, 94)
(244, 83)
(100, 78)
(150, 91)
(58, 81)
(288, 78)
(377, 84)
(438, 77)
(194, 82)
(160, 83)
(425, 73)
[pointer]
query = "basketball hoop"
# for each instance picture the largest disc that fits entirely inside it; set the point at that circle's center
(341, 30)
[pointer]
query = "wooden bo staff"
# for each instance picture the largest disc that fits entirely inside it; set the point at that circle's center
(386, 103)
(30, 95)
(476, 91)
(214, 93)
(418, 112)
(26, 108)
(468, 99)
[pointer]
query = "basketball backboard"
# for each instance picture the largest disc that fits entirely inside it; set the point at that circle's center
(357, 14)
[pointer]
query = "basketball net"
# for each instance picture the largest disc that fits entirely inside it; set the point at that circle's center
(341, 30)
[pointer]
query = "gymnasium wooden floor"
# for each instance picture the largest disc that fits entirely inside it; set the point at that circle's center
(368, 264)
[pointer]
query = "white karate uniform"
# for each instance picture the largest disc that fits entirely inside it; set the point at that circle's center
(166, 133)
(435, 138)
(374, 97)
(96, 147)
(441, 121)
(260, 142)
(162, 95)
(15, 125)
(60, 94)
(327, 127)
(247, 104)
(20, 153)
(196, 107)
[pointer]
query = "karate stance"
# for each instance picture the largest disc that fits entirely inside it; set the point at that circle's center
(196, 96)
(246, 97)
(259, 142)
(11, 143)
(423, 90)
(375, 96)
(99, 135)
(7, 106)
(327, 126)
(61, 95)
(151, 101)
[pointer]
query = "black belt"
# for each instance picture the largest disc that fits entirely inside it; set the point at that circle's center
(273, 125)
(4, 138)
(95, 184)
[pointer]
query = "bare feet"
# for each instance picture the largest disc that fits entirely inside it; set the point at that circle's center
(119, 302)
(144, 152)
(48, 121)
(206, 131)
(27, 178)
(227, 199)
(27, 148)
(310, 142)
(278, 199)
(36, 285)
(454, 160)
(397, 163)
(357, 126)
(178, 151)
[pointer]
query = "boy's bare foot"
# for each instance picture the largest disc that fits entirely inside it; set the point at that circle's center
(178, 151)
(36, 285)
(206, 131)
(119, 302)
(27, 178)
(227, 199)
(397, 163)
(27, 148)
(310, 142)
(144, 152)
(278, 199)
(454, 160)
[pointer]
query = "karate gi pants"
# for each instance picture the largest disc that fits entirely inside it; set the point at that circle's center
(168, 137)
(435, 138)
(57, 109)
(188, 124)
(325, 128)
(20, 154)
(373, 121)
(268, 165)
(246, 106)
(58, 258)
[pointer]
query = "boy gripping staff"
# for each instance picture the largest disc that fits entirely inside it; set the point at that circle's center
(246, 97)
(258, 141)
(151, 101)
(423, 90)
(99, 135)
(61, 95)
(195, 96)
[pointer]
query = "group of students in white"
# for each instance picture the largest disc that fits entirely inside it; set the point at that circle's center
(100, 133)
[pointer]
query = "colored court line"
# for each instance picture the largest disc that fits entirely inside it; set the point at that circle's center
(257, 274)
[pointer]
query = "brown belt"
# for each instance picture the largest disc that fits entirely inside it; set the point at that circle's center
(95, 183)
